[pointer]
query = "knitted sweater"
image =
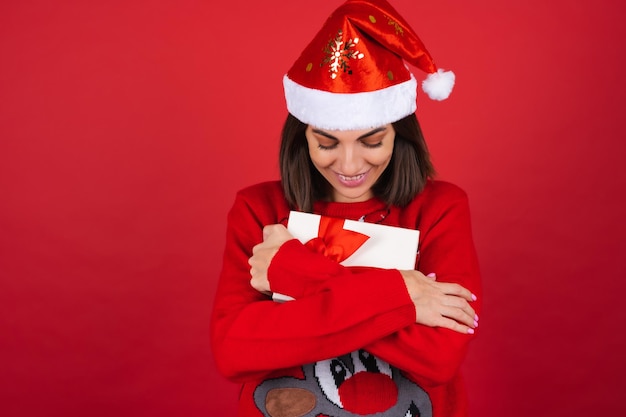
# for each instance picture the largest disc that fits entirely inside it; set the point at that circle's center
(348, 345)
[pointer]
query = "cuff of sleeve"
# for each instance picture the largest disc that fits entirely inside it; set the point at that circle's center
(297, 271)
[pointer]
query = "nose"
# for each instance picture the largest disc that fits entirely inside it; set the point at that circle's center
(368, 393)
(349, 161)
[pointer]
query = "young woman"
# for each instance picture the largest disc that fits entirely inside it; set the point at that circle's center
(353, 341)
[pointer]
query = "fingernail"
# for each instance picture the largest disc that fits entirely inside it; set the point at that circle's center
(432, 275)
(470, 331)
(476, 317)
(474, 298)
(475, 323)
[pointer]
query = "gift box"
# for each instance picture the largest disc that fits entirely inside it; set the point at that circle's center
(354, 243)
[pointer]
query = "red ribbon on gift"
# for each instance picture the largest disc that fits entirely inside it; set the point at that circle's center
(335, 242)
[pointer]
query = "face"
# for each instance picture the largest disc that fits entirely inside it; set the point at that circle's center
(351, 160)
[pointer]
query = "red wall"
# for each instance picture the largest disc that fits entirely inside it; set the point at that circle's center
(127, 127)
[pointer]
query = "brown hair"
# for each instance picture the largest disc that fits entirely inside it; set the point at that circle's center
(402, 180)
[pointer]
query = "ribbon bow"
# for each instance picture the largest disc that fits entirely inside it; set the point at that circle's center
(335, 242)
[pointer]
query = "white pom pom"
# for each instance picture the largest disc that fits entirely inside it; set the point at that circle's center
(438, 85)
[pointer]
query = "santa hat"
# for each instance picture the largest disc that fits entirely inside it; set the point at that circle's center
(353, 73)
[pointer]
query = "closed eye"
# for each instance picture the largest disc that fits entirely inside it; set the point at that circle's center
(327, 147)
(372, 145)
(371, 140)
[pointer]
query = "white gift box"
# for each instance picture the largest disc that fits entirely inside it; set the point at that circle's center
(388, 247)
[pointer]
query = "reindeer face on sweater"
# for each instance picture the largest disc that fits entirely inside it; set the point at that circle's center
(353, 385)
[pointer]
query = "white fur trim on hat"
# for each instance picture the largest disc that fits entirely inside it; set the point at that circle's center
(350, 111)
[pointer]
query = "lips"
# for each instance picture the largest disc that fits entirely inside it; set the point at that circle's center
(352, 181)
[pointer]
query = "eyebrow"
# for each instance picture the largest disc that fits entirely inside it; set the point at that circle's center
(363, 136)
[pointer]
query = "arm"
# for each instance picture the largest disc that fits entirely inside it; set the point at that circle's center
(432, 355)
(437, 304)
(433, 348)
(252, 335)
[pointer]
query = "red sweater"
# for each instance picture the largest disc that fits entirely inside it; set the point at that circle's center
(348, 345)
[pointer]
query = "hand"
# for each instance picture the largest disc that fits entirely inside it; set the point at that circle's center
(262, 254)
(441, 304)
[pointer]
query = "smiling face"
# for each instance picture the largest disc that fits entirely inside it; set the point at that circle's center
(351, 160)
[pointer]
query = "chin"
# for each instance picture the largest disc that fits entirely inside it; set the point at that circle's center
(353, 195)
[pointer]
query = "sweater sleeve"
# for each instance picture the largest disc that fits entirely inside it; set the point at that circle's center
(430, 355)
(252, 335)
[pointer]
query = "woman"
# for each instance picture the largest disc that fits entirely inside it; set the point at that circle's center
(354, 341)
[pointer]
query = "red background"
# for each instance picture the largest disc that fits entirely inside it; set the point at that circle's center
(126, 128)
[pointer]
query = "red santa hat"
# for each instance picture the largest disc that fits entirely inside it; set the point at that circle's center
(353, 74)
